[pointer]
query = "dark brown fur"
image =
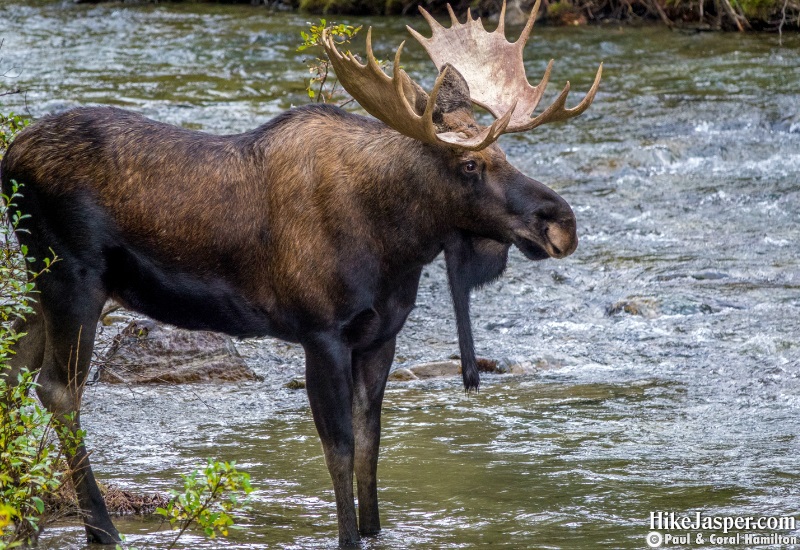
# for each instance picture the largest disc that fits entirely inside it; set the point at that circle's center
(313, 228)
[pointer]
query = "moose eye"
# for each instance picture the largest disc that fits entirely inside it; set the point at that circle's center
(470, 167)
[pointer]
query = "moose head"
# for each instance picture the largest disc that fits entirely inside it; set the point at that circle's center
(500, 204)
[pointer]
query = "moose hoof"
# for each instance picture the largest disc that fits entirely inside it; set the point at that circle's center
(350, 542)
(101, 536)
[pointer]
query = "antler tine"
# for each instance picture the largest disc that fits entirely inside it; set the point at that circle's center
(556, 112)
(385, 99)
(371, 61)
(453, 18)
(526, 32)
(584, 104)
(501, 23)
(421, 39)
(494, 69)
(434, 24)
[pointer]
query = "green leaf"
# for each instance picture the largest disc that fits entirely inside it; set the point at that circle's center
(39, 504)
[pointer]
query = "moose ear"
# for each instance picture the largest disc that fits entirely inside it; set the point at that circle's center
(416, 95)
(453, 95)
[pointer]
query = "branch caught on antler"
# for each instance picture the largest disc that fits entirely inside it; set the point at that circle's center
(386, 98)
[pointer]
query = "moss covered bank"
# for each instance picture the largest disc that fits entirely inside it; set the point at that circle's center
(701, 15)
(771, 15)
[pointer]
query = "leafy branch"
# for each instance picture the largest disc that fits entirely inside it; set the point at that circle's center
(31, 461)
(320, 66)
(210, 498)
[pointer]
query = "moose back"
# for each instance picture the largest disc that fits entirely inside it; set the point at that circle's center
(313, 228)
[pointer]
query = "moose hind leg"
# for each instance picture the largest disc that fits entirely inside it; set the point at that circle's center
(370, 371)
(71, 312)
(28, 350)
(329, 385)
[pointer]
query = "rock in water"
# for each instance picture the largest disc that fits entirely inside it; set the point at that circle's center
(436, 369)
(402, 375)
(146, 352)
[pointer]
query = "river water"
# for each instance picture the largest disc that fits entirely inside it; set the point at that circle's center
(668, 344)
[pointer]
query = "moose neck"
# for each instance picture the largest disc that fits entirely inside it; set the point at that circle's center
(412, 205)
(367, 184)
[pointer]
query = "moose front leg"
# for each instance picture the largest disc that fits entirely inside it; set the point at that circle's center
(471, 262)
(70, 327)
(370, 370)
(329, 383)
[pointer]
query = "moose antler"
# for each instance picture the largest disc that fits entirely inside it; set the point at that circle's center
(493, 68)
(386, 98)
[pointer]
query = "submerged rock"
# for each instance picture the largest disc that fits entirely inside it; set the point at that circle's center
(509, 365)
(436, 369)
(146, 352)
(637, 305)
(402, 375)
(452, 367)
(296, 384)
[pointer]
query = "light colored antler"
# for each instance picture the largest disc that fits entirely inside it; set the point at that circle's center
(493, 68)
(386, 98)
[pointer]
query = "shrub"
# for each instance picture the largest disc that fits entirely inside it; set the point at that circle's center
(210, 498)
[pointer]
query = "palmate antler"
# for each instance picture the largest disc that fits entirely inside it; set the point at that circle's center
(491, 65)
(386, 98)
(493, 68)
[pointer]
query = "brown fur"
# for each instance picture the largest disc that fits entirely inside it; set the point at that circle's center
(314, 228)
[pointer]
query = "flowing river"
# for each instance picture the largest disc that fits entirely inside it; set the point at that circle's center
(668, 345)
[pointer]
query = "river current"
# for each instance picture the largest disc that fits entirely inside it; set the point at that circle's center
(668, 345)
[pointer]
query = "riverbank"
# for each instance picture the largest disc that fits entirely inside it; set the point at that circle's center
(700, 15)
(770, 15)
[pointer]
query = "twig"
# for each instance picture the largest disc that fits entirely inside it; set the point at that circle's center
(627, 4)
(783, 20)
(209, 501)
(732, 14)
(740, 13)
(661, 14)
(322, 83)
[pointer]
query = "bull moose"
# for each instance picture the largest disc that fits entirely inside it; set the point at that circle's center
(313, 228)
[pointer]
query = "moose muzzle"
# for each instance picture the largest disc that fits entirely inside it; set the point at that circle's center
(548, 227)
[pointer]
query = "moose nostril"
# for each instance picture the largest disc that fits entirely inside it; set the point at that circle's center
(561, 240)
(555, 250)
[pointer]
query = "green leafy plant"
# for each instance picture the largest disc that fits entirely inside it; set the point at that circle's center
(319, 66)
(210, 498)
(31, 461)
(30, 458)
(10, 125)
